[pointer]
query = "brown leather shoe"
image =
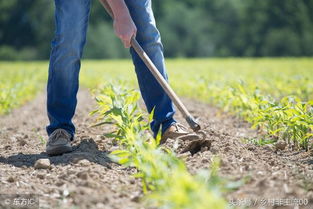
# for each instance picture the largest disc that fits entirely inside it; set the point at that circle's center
(177, 130)
(59, 142)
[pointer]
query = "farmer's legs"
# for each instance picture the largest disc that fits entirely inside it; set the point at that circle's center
(149, 38)
(71, 18)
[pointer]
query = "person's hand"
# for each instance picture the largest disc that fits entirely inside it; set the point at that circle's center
(125, 29)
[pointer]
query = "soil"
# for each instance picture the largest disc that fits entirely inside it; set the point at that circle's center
(86, 178)
(273, 178)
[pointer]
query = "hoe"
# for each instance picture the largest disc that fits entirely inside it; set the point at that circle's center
(194, 125)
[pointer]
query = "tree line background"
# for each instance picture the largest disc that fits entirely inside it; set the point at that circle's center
(189, 28)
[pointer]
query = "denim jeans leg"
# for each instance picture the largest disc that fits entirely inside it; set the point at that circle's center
(149, 38)
(71, 20)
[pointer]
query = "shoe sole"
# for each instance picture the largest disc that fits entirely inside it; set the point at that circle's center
(189, 137)
(59, 150)
(184, 137)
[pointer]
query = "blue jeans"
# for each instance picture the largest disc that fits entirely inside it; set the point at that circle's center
(71, 18)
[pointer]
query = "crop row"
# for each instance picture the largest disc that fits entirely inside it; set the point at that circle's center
(18, 84)
(275, 77)
(288, 118)
(166, 180)
(277, 102)
(274, 95)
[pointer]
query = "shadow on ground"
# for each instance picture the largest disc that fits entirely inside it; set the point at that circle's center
(86, 149)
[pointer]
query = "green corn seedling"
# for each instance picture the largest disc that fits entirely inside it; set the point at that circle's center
(166, 181)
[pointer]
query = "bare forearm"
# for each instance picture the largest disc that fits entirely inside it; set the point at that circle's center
(123, 24)
(118, 8)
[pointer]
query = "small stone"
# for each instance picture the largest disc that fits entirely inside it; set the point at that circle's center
(135, 197)
(205, 161)
(132, 181)
(260, 173)
(13, 139)
(63, 176)
(203, 149)
(100, 205)
(7, 147)
(91, 184)
(214, 149)
(79, 158)
(21, 142)
(287, 189)
(184, 155)
(310, 195)
(83, 175)
(272, 163)
(76, 160)
(114, 148)
(40, 176)
(59, 183)
(42, 164)
(223, 161)
(269, 147)
(251, 147)
(11, 179)
(66, 192)
(84, 162)
(227, 149)
(280, 145)
(247, 167)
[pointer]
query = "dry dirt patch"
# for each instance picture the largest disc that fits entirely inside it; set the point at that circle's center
(86, 178)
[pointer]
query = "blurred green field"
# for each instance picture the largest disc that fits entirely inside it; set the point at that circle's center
(272, 94)
(19, 81)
